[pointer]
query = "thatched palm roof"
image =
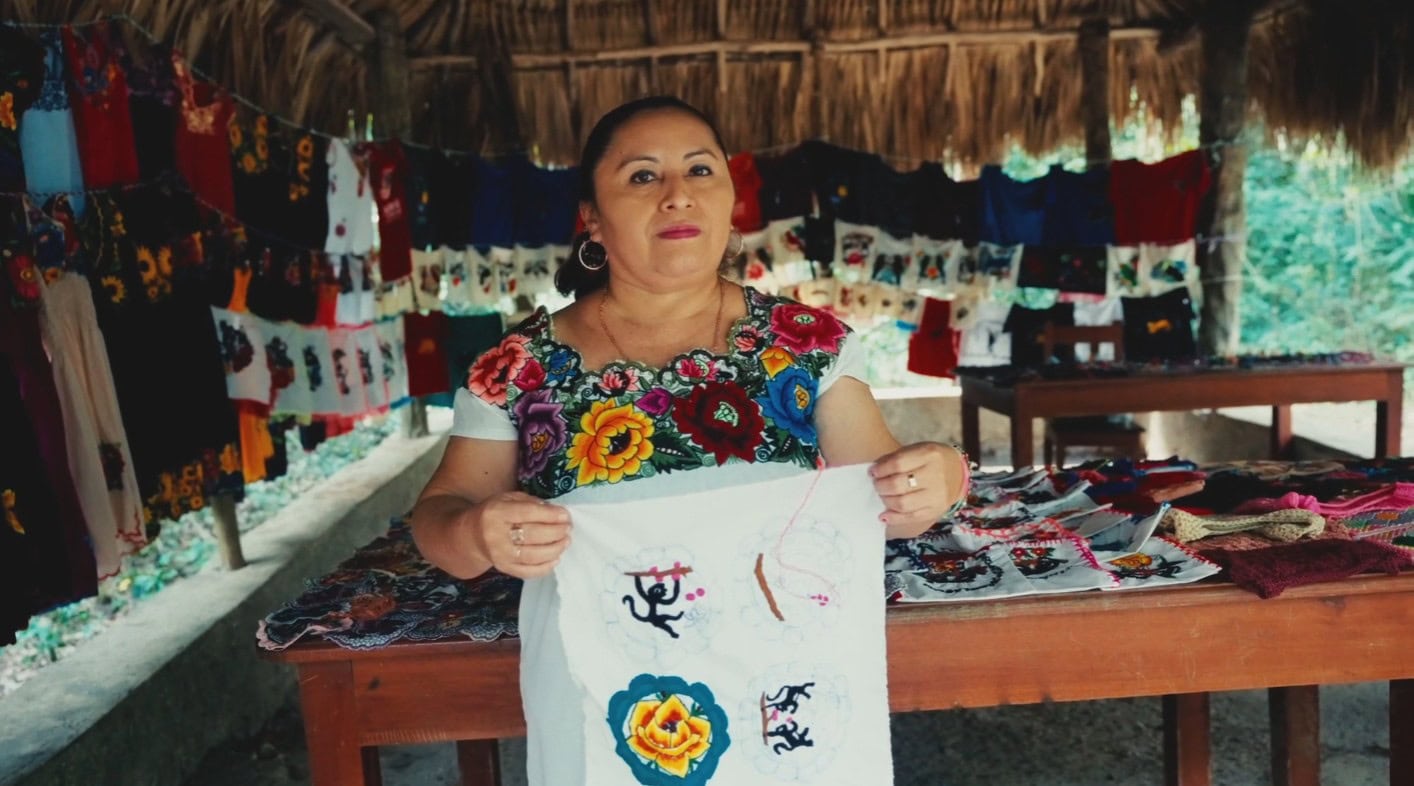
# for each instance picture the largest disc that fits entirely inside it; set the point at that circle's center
(934, 79)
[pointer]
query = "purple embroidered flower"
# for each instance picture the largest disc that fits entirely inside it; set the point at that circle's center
(655, 402)
(542, 431)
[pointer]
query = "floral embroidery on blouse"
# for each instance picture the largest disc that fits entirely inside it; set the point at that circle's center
(577, 427)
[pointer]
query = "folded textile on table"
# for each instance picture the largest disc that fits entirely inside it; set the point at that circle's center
(1248, 541)
(1270, 572)
(1396, 496)
(1283, 525)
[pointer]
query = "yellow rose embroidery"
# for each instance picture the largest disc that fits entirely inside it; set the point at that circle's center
(613, 442)
(665, 733)
(7, 111)
(7, 500)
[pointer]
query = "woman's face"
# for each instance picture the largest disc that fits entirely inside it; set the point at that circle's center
(663, 201)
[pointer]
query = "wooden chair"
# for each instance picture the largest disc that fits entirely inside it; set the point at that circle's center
(1123, 438)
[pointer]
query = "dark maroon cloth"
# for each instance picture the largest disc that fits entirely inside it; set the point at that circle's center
(1270, 572)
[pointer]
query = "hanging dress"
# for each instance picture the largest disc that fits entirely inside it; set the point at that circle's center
(98, 94)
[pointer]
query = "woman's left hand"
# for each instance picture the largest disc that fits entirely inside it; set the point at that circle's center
(918, 484)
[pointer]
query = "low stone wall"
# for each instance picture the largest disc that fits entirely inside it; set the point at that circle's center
(148, 698)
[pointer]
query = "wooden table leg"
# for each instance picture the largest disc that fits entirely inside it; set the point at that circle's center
(1296, 735)
(330, 730)
(1187, 754)
(479, 762)
(1282, 440)
(1401, 732)
(1023, 453)
(972, 431)
(1389, 422)
(372, 767)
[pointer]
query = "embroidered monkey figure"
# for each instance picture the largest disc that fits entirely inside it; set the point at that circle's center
(654, 596)
(792, 737)
(791, 703)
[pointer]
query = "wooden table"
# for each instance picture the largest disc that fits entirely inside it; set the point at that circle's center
(1179, 643)
(1278, 388)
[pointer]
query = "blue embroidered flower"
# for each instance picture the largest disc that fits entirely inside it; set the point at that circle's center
(790, 402)
(668, 732)
(559, 366)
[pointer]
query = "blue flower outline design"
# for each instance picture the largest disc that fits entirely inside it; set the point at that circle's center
(647, 686)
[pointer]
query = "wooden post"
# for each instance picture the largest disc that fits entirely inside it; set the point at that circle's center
(1095, 90)
(228, 531)
(388, 73)
(1187, 746)
(1226, 31)
(1296, 735)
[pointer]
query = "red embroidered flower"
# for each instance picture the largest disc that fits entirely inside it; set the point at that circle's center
(492, 372)
(722, 419)
(618, 381)
(804, 329)
(692, 368)
(24, 276)
(531, 376)
(748, 339)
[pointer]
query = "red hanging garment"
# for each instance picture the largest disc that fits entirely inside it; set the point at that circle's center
(203, 134)
(98, 93)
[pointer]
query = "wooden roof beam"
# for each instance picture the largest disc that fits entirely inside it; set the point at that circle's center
(768, 47)
(353, 29)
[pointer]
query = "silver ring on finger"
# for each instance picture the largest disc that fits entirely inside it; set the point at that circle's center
(517, 537)
(517, 553)
(912, 481)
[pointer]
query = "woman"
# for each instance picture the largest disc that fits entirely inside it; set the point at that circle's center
(659, 370)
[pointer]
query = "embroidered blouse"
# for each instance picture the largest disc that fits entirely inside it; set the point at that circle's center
(578, 428)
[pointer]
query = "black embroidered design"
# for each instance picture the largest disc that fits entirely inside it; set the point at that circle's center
(236, 349)
(785, 702)
(656, 595)
(313, 369)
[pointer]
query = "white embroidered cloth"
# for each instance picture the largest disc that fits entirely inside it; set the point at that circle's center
(733, 637)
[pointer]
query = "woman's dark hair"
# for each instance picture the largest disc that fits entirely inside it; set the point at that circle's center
(572, 277)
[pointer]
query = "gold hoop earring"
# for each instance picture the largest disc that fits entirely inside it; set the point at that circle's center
(735, 245)
(600, 256)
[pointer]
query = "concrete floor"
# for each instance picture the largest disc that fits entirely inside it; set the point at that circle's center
(1075, 744)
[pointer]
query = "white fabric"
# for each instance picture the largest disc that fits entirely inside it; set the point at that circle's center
(243, 352)
(317, 356)
(1166, 268)
(350, 203)
(370, 365)
(1123, 274)
(92, 422)
(358, 305)
(759, 268)
(292, 398)
(506, 276)
(783, 591)
(934, 267)
(854, 250)
(985, 342)
(348, 382)
(535, 268)
(484, 288)
(427, 270)
(395, 362)
(1097, 312)
(892, 261)
(997, 266)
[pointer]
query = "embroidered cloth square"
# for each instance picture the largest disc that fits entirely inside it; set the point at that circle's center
(733, 636)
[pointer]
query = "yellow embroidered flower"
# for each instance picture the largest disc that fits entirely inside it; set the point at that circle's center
(248, 163)
(305, 146)
(613, 442)
(7, 499)
(117, 292)
(262, 125)
(664, 732)
(230, 459)
(7, 111)
(262, 150)
(237, 137)
(775, 359)
(1133, 561)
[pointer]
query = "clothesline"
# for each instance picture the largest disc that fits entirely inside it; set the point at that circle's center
(252, 105)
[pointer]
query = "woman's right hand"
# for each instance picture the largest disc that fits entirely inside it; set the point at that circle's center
(523, 536)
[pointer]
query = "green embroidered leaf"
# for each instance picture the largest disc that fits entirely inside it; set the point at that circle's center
(670, 453)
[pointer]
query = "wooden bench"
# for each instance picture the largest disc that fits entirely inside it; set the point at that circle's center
(1177, 643)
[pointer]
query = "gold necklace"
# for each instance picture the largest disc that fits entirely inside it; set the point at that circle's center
(716, 323)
